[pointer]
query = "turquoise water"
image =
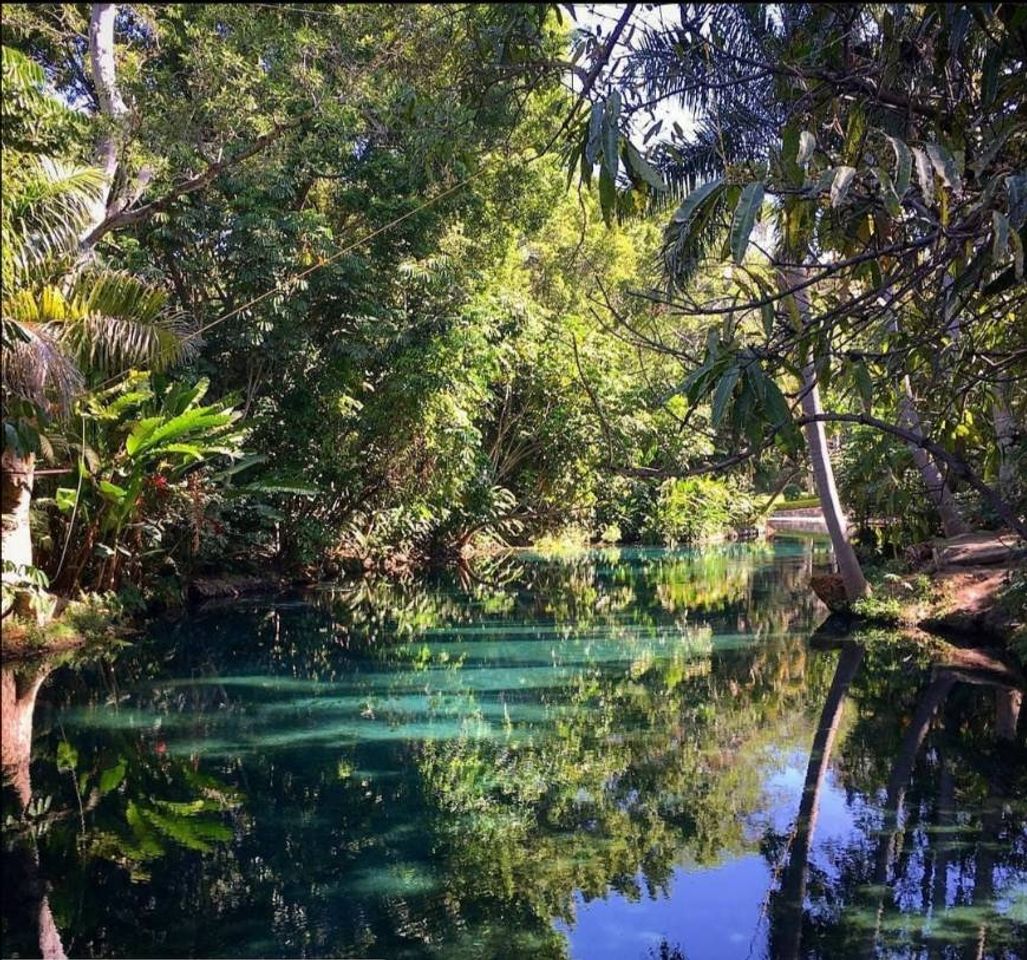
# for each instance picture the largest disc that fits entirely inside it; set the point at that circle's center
(622, 754)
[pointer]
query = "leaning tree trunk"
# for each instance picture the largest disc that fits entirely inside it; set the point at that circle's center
(787, 914)
(16, 495)
(1005, 435)
(938, 490)
(820, 458)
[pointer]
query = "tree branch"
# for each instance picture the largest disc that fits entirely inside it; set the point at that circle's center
(954, 462)
(126, 218)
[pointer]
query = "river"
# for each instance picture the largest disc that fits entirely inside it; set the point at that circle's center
(623, 754)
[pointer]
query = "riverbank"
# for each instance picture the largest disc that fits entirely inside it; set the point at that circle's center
(95, 619)
(971, 589)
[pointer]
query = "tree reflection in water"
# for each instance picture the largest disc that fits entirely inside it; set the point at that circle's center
(922, 881)
(446, 768)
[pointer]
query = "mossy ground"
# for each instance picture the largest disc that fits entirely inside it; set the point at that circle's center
(93, 619)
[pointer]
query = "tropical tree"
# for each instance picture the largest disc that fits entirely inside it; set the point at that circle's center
(63, 320)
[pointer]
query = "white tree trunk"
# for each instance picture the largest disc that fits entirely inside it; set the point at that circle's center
(101, 55)
(820, 459)
(120, 193)
(18, 476)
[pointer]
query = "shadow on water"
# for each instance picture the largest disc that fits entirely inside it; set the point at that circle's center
(618, 754)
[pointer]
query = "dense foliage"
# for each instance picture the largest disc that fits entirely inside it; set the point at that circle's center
(302, 288)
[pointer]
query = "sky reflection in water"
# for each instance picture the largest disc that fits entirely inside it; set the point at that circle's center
(600, 756)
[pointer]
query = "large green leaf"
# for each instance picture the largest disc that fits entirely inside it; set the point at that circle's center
(743, 219)
(208, 420)
(903, 165)
(924, 174)
(723, 392)
(611, 136)
(607, 195)
(112, 491)
(595, 126)
(888, 194)
(112, 777)
(643, 169)
(945, 164)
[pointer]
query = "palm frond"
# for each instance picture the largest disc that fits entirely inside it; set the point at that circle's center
(37, 368)
(118, 321)
(47, 205)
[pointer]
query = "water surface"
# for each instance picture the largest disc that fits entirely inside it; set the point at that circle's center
(617, 755)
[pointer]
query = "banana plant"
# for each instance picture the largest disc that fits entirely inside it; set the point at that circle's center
(145, 444)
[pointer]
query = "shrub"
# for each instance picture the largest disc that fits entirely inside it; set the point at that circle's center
(693, 509)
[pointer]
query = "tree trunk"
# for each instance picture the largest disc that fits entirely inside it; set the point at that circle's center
(24, 888)
(18, 692)
(1005, 435)
(33, 929)
(820, 458)
(16, 495)
(101, 56)
(1008, 702)
(120, 193)
(938, 491)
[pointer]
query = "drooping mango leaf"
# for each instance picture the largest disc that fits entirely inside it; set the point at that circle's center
(924, 174)
(744, 218)
(807, 144)
(607, 195)
(611, 135)
(643, 169)
(722, 394)
(945, 165)
(593, 142)
(843, 178)
(903, 165)
(888, 194)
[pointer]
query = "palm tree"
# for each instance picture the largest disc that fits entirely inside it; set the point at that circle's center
(64, 319)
